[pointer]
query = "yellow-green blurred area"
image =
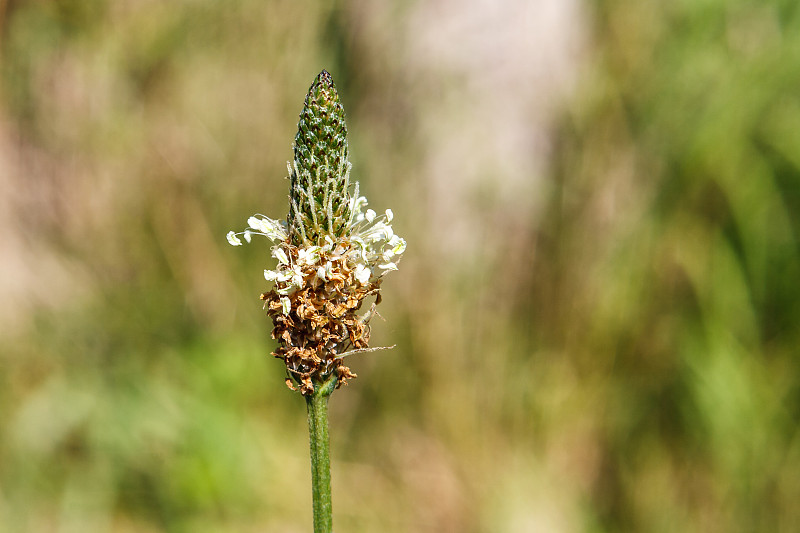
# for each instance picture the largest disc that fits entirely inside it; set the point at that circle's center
(597, 318)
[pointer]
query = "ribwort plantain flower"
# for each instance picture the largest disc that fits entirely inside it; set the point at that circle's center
(332, 251)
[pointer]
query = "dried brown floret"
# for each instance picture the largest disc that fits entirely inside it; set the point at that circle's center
(320, 323)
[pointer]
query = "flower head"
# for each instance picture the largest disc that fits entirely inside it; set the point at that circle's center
(331, 253)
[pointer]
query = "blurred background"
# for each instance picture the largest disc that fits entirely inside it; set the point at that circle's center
(596, 319)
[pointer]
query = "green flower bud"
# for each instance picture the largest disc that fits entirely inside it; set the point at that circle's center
(319, 196)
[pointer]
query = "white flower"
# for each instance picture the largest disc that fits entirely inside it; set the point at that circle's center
(286, 304)
(357, 203)
(280, 255)
(359, 241)
(308, 256)
(399, 245)
(369, 247)
(323, 273)
(272, 229)
(362, 274)
(257, 224)
(297, 277)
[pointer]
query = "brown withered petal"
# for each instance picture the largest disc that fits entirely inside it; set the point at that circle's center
(321, 324)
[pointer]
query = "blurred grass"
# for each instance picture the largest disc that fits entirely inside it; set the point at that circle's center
(596, 319)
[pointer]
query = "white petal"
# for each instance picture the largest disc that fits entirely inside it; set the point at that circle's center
(287, 305)
(321, 274)
(297, 278)
(370, 216)
(233, 239)
(275, 230)
(388, 266)
(400, 247)
(357, 203)
(389, 215)
(255, 223)
(362, 274)
(308, 256)
(280, 255)
(247, 235)
(271, 275)
(282, 274)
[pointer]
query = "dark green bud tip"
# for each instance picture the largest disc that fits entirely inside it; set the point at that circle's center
(320, 176)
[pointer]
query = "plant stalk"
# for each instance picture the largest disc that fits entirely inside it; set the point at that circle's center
(317, 404)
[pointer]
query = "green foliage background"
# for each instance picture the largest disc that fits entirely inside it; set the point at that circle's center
(605, 340)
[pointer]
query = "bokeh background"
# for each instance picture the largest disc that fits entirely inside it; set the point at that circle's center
(597, 318)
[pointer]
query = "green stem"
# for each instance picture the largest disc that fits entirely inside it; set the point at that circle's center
(317, 404)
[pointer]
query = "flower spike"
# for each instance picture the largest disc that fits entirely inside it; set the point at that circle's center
(332, 251)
